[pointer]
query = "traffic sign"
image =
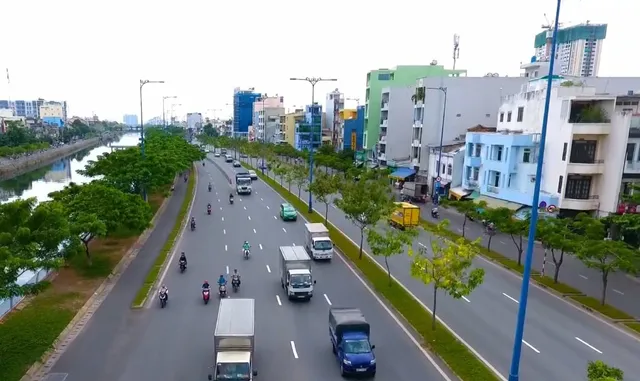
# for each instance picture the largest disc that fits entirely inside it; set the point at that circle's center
(438, 179)
(551, 208)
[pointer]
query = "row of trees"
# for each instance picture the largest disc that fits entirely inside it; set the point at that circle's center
(47, 234)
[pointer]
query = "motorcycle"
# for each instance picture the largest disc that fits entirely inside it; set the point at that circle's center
(205, 296)
(163, 299)
(209, 188)
(222, 290)
(193, 226)
(435, 214)
(235, 283)
(183, 266)
(246, 253)
(185, 179)
(231, 200)
(209, 210)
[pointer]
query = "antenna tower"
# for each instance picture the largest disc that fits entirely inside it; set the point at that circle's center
(456, 49)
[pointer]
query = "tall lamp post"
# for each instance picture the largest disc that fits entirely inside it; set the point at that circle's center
(164, 114)
(142, 83)
(313, 81)
(444, 117)
(526, 275)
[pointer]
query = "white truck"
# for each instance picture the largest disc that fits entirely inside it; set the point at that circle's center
(243, 183)
(234, 341)
(295, 272)
(317, 241)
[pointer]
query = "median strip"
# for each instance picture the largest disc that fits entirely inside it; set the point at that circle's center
(440, 341)
(154, 271)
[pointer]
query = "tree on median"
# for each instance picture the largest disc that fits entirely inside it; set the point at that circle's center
(447, 267)
(468, 209)
(600, 371)
(279, 171)
(365, 202)
(556, 236)
(391, 242)
(507, 223)
(300, 176)
(322, 187)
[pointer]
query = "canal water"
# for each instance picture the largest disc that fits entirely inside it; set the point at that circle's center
(42, 181)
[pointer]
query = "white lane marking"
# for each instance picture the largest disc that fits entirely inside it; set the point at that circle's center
(240, 199)
(278, 300)
(261, 199)
(502, 242)
(465, 299)
(254, 230)
(334, 206)
(293, 349)
(531, 346)
(216, 193)
(268, 207)
(582, 276)
(422, 245)
(589, 345)
(268, 268)
(512, 299)
(327, 299)
(220, 208)
(618, 292)
(294, 244)
(218, 200)
(284, 230)
(249, 217)
(227, 269)
(222, 218)
(224, 231)
(261, 248)
(275, 218)
(245, 208)
(226, 248)
(459, 230)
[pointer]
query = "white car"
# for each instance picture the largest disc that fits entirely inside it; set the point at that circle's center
(253, 174)
(217, 154)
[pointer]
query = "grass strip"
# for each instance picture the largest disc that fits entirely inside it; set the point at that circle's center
(457, 356)
(606, 309)
(633, 326)
(154, 271)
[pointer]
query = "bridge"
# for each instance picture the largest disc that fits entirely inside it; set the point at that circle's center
(132, 128)
(115, 147)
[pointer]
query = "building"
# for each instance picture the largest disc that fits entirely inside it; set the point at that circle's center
(581, 172)
(288, 124)
(266, 117)
(53, 113)
(31, 109)
(308, 133)
(351, 129)
(578, 51)
(130, 120)
(194, 121)
(334, 103)
(398, 76)
(243, 110)
(448, 167)
(6, 115)
(396, 119)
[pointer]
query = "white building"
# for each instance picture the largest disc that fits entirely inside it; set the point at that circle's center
(396, 118)
(450, 167)
(333, 124)
(52, 110)
(266, 117)
(130, 120)
(194, 120)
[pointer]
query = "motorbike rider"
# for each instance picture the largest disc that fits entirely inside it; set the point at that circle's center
(235, 277)
(193, 221)
(221, 281)
(203, 163)
(209, 206)
(205, 286)
(230, 196)
(183, 258)
(434, 211)
(209, 186)
(164, 291)
(245, 246)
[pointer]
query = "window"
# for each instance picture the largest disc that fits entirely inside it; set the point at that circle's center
(520, 114)
(442, 169)
(477, 149)
(449, 169)
(509, 117)
(476, 173)
(560, 180)
(630, 148)
(495, 181)
(564, 152)
(583, 151)
(496, 153)
(526, 155)
(501, 117)
(509, 180)
(384, 77)
(578, 187)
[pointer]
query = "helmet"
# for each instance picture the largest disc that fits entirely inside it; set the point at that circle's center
(235, 270)
(206, 282)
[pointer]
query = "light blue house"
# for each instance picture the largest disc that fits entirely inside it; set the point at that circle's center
(501, 166)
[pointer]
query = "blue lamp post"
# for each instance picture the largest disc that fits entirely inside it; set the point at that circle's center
(526, 275)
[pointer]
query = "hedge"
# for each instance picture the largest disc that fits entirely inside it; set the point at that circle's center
(154, 271)
(453, 352)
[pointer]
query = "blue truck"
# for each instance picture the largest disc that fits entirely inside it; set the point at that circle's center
(350, 333)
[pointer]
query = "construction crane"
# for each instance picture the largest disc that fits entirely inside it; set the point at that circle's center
(549, 28)
(456, 49)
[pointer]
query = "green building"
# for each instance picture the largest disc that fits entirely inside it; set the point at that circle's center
(398, 76)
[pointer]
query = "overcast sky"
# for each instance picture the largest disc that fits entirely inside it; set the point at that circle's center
(93, 53)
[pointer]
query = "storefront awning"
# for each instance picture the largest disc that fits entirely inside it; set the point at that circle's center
(495, 203)
(459, 192)
(402, 173)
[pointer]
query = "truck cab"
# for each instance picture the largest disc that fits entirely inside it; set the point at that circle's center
(318, 243)
(243, 183)
(295, 272)
(234, 366)
(350, 339)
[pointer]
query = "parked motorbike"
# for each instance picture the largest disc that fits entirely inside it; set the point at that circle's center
(222, 290)
(163, 299)
(205, 296)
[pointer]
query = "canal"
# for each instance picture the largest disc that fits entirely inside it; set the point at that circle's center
(42, 181)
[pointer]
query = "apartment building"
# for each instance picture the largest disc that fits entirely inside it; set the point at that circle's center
(266, 117)
(334, 103)
(445, 170)
(308, 132)
(243, 110)
(352, 129)
(581, 171)
(287, 126)
(396, 119)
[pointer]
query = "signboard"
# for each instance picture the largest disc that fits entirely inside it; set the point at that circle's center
(361, 156)
(353, 140)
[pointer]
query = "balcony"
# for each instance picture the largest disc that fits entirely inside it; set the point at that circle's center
(382, 157)
(470, 184)
(417, 124)
(473, 161)
(596, 167)
(632, 167)
(590, 203)
(383, 139)
(591, 128)
(415, 163)
(416, 143)
(419, 104)
(384, 106)
(492, 189)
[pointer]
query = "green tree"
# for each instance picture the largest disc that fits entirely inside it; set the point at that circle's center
(448, 268)
(506, 222)
(391, 242)
(300, 176)
(322, 187)
(279, 170)
(86, 227)
(209, 130)
(557, 236)
(468, 209)
(599, 371)
(365, 202)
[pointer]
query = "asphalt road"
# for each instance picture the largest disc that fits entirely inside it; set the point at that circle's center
(559, 338)
(292, 340)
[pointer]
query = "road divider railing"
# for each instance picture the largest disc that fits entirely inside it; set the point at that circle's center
(154, 272)
(441, 341)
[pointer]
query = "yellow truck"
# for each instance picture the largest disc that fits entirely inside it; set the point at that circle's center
(405, 215)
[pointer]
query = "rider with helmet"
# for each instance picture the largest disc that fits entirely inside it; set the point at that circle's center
(164, 291)
(235, 277)
(246, 246)
(205, 286)
(222, 281)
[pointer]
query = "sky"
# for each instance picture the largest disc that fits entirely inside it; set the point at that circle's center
(94, 53)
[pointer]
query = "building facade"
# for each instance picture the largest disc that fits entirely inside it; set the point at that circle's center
(194, 121)
(130, 120)
(448, 167)
(352, 129)
(334, 103)
(309, 132)
(31, 109)
(398, 76)
(288, 124)
(243, 110)
(578, 51)
(266, 117)
(396, 119)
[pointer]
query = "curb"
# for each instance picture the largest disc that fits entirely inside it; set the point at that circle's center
(38, 371)
(168, 257)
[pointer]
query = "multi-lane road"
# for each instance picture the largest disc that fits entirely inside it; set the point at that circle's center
(559, 338)
(292, 342)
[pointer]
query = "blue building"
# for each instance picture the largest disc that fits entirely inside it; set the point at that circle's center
(243, 110)
(353, 130)
(309, 133)
(30, 109)
(501, 167)
(53, 121)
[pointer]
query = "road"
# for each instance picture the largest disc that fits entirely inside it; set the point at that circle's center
(292, 340)
(559, 338)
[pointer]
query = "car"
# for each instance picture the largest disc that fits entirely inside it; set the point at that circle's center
(253, 174)
(288, 212)
(236, 163)
(243, 155)
(228, 159)
(217, 154)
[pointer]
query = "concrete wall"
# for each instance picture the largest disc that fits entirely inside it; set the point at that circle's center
(399, 124)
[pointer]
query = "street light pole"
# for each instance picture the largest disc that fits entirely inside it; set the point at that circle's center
(164, 114)
(526, 274)
(444, 117)
(142, 83)
(313, 81)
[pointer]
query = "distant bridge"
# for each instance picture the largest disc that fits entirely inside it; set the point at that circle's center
(132, 128)
(115, 147)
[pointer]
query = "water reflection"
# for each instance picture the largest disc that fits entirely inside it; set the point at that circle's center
(40, 182)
